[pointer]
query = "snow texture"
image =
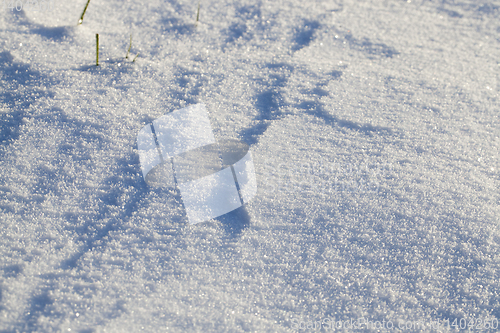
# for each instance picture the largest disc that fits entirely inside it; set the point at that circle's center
(374, 130)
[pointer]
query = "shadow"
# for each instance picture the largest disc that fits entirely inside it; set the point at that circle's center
(90, 232)
(268, 102)
(114, 67)
(235, 31)
(13, 270)
(235, 222)
(52, 33)
(315, 109)
(38, 307)
(487, 8)
(251, 135)
(19, 88)
(89, 68)
(368, 47)
(280, 66)
(177, 26)
(239, 29)
(304, 34)
(336, 74)
(190, 85)
(450, 13)
(250, 12)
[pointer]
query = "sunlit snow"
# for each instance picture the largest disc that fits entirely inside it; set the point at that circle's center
(374, 130)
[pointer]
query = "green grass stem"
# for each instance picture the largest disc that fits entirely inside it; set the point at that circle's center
(80, 21)
(97, 49)
(197, 15)
(129, 47)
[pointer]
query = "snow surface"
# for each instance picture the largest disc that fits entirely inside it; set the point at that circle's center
(375, 133)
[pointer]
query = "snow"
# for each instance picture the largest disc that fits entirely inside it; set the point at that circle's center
(374, 131)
